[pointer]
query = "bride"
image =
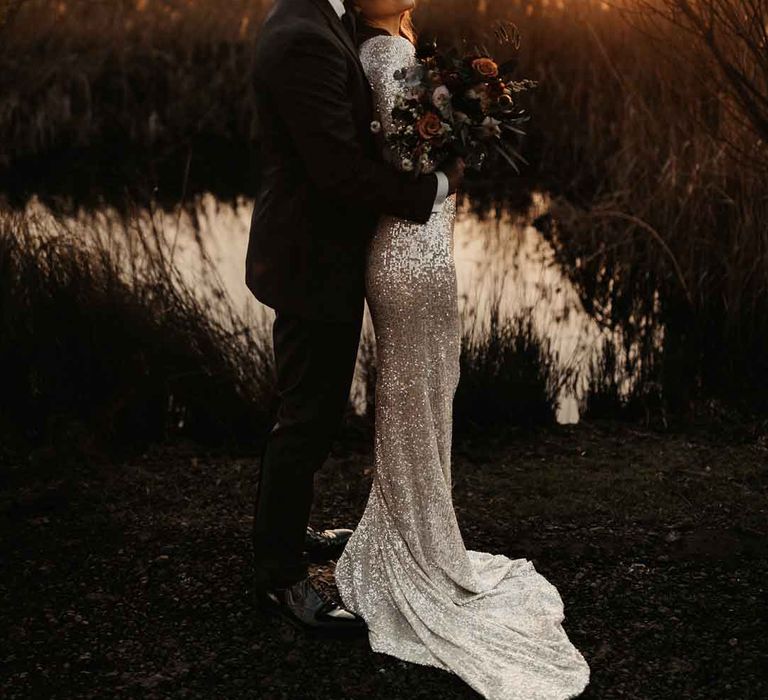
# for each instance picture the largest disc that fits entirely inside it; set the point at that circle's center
(425, 598)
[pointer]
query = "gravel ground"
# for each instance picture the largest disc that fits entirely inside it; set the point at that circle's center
(132, 579)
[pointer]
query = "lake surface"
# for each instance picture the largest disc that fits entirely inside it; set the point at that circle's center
(505, 259)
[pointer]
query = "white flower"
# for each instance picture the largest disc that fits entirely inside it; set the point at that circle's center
(375, 126)
(407, 164)
(441, 97)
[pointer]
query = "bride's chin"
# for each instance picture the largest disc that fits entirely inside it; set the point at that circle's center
(406, 5)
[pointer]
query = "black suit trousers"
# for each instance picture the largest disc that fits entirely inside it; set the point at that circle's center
(315, 363)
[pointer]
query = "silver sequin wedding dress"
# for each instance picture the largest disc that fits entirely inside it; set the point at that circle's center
(426, 599)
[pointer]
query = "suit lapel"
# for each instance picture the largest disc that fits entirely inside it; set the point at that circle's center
(338, 29)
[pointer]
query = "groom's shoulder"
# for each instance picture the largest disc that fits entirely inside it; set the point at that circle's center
(283, 32)
(292, 20)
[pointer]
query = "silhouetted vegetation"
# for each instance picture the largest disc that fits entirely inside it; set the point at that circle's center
(106, 348)
(103, 349)
(509, 376)
(643, 135)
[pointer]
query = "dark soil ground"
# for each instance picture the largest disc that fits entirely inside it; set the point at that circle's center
(132, 580)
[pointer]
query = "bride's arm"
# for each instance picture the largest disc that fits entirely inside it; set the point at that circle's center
(381, 56)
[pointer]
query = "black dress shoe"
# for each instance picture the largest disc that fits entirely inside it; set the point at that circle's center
(328, 544)
(303, 606)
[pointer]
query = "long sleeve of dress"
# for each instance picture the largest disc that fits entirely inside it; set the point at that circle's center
(381, 56)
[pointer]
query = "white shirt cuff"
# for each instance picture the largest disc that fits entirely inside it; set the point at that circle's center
(442, 190)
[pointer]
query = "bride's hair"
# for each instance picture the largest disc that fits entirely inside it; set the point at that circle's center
(407, 29)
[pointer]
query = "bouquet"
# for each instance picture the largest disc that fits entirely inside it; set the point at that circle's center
(455, 104)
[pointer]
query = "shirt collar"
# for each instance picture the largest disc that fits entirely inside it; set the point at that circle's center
(338, 6)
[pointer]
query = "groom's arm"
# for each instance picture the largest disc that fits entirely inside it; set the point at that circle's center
(307, 84)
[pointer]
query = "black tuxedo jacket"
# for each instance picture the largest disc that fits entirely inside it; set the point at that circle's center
(323, 181)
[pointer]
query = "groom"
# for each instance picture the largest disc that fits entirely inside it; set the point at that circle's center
(324, 184)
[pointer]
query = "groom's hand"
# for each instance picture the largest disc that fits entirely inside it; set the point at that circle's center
(454, 171)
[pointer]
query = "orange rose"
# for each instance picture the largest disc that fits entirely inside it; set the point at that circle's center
(486, 67)
(429, 126)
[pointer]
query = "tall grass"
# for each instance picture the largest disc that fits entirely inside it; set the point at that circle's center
(649, 133)
(154, 96)
(670, 228)
(104, 349)
(508, 375)
(652, 158)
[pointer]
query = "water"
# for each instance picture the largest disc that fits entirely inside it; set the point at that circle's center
(507, 259)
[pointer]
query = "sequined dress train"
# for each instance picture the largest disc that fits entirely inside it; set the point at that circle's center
(426, 599)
